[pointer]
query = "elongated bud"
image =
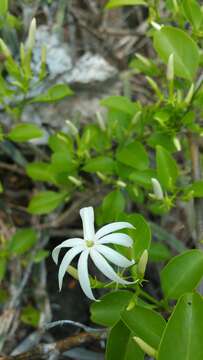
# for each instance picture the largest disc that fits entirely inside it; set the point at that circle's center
(189, 95)
(136, 118)
(175, 5)
(156, 26)
(157, 189)
(154, 86)
(142, 264)
(121, 183)
(177, 143)
(43, 54)
(32, 34)
(5, 49)
(22, 53)
(101, 121)
(72, 128)
(170, 68)
(143, 59)
(132, 304)
(149, 350)
(74, 180)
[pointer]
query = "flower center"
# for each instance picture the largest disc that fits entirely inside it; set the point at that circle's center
(89, 243)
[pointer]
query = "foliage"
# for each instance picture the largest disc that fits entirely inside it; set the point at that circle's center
(121, 154)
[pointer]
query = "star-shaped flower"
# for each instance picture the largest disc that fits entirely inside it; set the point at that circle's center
(94, 245)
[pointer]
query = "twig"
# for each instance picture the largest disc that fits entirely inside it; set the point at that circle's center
(42, 351)
(73, 323)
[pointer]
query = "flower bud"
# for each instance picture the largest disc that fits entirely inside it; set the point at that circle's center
(5, 49)
(154, 86)
(43, 54)
(189, 95)
(177, 143)
(31, 34)
(156, 26)
(74, 180)
(142, 264)
(121, 183)
(143, 59)
(170, 68)
(72, 128)
(101, 121)
(149, 350)
(157, 189)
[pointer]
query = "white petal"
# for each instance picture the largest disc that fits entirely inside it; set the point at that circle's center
(105, 268)
(66, 262)
(87, 215)
(113, 256)
(118, 239)
(83, 274)
(67, 243)
(107, 229)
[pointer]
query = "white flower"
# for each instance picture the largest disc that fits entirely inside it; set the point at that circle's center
(94, 245)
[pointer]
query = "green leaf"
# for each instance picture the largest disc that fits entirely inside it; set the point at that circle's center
(55, 93)
(3, 264)
(25, 132)
(46, 201)
(134, 155)
(197, 189)
(182, 273)
(3, 7)
(30, 316)
(107, 312)
(41, 255)
(62, 162)
(186, 57)
(113, 204)
(40, 171)
(193, 12)
(102, 164)
(143, 178)
(159, 252)
(125, 348)
(120, 103)
(145, 323)
(22, 241)
(167, 169)
(117, 3)
(182, 338)
(141, 234)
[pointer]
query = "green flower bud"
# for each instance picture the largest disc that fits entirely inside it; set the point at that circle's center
(170, 68)
(142, 264)
(149, 350)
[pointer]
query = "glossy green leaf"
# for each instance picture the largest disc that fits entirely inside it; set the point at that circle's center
(167, 169)
(120, 345)
(134, 155)
(101, 164)
(182, 338)
(167, 41)
(22, 241)
(145, 323)
(193, 12)
(46, 201)
(182, 274)
(117, 3)
(143, 178)
(121, 103)
(25, 132)
(40, 171)
(159, 252)
(55, 93)
(107, 312)
(197, 189)
(3, 7)
(30, 316)
(3, 264)
(112, 205)
(141, 234)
